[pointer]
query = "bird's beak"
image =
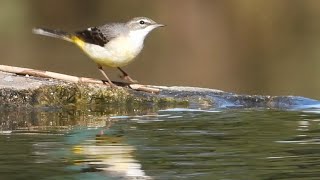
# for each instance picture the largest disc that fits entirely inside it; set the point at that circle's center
(160, 25)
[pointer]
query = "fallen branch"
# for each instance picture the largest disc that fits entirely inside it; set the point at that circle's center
(74, 79)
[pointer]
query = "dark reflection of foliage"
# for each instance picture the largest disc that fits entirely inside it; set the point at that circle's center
(61, 119)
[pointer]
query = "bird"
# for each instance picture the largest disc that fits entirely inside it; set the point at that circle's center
(110, 45)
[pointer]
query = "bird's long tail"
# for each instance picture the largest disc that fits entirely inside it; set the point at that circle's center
(53, 33)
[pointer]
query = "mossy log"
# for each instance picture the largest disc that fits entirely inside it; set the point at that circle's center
(20, 91)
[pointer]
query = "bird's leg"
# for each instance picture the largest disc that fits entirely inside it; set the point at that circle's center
(126, 76)
(105, 75)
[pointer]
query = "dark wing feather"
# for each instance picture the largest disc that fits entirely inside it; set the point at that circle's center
(93, 36)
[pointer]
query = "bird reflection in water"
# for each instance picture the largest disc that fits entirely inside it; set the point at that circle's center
(109, 153)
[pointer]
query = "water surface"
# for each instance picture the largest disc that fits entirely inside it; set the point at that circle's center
(165, 144)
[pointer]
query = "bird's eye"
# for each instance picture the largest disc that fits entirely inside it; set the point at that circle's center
(141, 22)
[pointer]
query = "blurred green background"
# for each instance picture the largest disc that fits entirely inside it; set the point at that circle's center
(269, 47)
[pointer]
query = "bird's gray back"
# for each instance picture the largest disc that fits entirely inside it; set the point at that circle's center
(113, 30)
(103, 34)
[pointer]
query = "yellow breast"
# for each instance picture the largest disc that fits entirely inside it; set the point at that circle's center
(116, 53)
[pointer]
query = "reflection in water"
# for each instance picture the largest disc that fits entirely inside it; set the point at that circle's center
(166, 144)
(109, 152)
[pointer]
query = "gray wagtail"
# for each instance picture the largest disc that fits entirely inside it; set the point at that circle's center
(113, 44)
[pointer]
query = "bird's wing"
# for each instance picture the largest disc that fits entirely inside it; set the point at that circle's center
(101, 35)
(93, 35)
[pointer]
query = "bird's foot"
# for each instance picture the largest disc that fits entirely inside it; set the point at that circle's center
(111, 84)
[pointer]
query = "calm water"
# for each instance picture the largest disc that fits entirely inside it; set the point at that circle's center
(166, 144)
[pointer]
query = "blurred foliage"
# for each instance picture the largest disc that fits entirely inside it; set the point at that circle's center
(243, 46)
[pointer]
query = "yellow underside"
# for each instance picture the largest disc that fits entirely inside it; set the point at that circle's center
(103, 62)
(78, 41)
